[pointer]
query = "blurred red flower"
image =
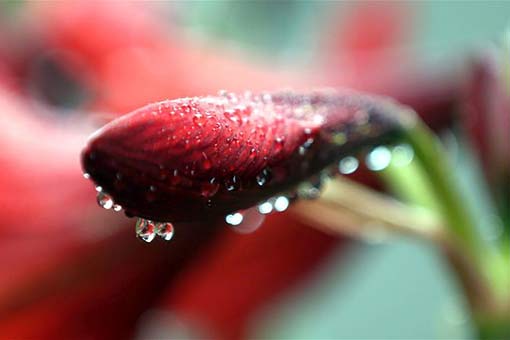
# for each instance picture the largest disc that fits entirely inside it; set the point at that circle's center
(74, 270)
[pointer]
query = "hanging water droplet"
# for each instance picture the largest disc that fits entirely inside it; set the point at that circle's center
(234, 219)
(117, 207)
(165, 230)
(265, 208)
(378, 159)
(263, 177)
(281, 203)
(232, 184)
(145, 230)
(104, 200)
(209, 189)
(348, 165)
(305, 146)
(309, 190)
(86, 175)
(99, 188)
(209, 203)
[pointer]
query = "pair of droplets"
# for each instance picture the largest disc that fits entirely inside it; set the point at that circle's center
(376, 160)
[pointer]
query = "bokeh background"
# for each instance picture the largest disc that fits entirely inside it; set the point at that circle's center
(70, 269)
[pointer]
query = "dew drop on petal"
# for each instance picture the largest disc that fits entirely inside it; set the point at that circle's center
(206, 164)
(199, 119)
(234, 219)
(210, 188)
(348, 165)
(165, 230)
(232, 184)
(281, 203)
(265, 208)
(305, 146)
(117, 207)
(104, 200)
(86, 175)
(99, 188)
(379, 158)
(263, 177)
(279, 142)
(145, 230)
(209, 203)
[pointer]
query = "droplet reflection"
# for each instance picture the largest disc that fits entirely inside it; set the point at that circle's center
(234, 219)
(379, 158)
(348, 165)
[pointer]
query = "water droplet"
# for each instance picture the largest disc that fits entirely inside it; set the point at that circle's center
(234, 115)
(206, 163)
(265, 208)
(145, 230)
(263, 177)
(281, 203)
(165, 230)
(402, 155)
(86, 175)
(280, 141)
(117, 207)
(210, 189)
(104, 200)
(199, 119)
(234, 219)
(309, 190)
(348, 165)
(99, 188)
(305, 146)
(233, 183)
(153, 188)
(378, 159)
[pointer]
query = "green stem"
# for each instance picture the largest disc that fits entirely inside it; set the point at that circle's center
(432, 157)
(473, 258)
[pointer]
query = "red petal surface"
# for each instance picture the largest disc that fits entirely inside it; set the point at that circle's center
(191, 158)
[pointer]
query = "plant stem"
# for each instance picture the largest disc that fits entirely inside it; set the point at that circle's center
(458, 218)
(342, 209)
(479, 279)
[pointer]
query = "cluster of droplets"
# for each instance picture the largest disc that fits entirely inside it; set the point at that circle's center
(377, 159)
(104, 200)
(147, 230)
(275, 204)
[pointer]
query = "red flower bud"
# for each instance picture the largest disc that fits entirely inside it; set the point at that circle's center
(196, 158)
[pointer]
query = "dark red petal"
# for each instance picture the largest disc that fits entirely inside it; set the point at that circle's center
(192, 158)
